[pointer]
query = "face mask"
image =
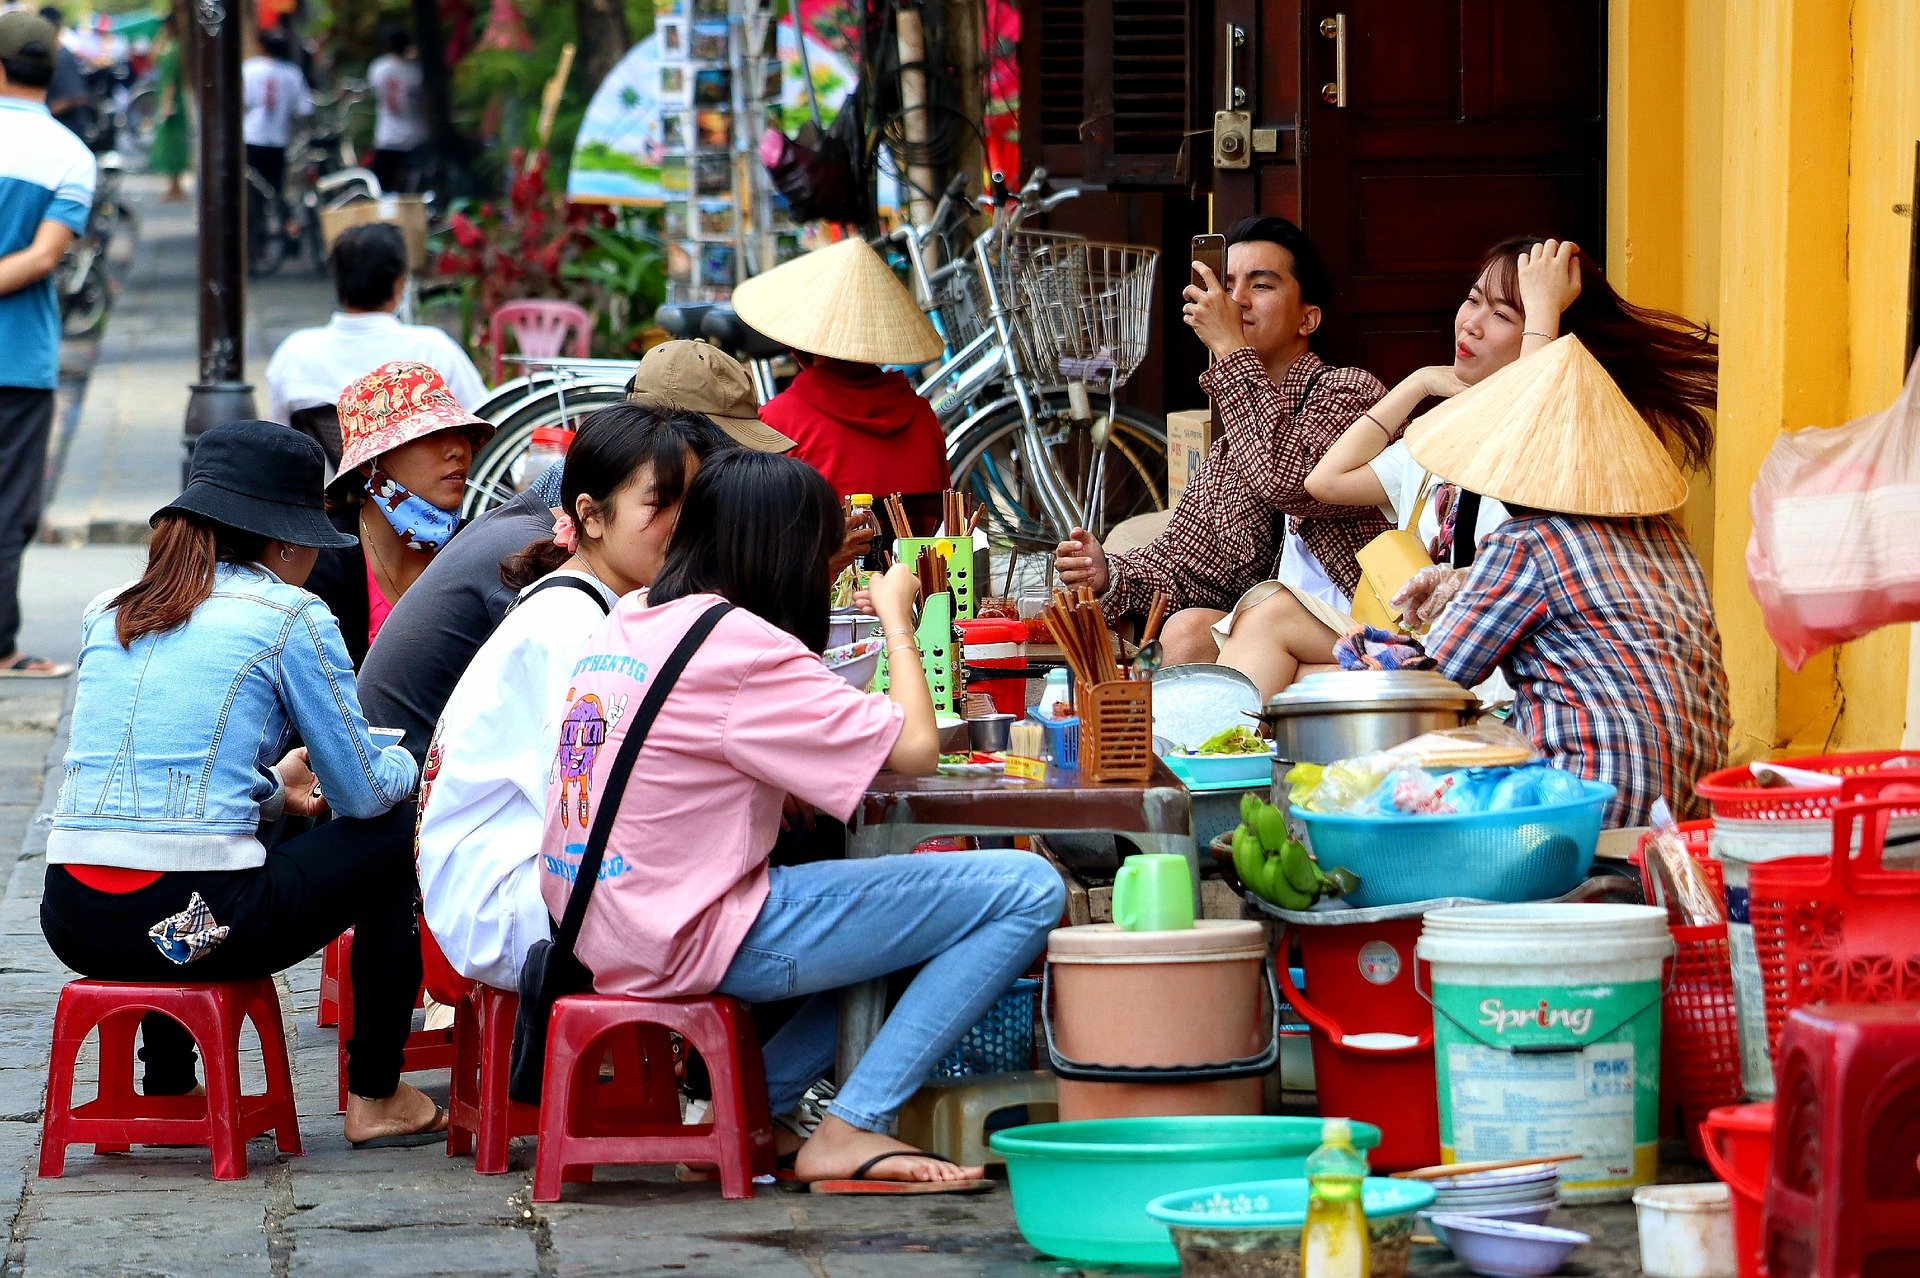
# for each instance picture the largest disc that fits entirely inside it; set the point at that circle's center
(418, 523)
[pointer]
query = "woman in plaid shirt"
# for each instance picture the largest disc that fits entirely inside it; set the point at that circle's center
(1279, 407)
(1589, 598)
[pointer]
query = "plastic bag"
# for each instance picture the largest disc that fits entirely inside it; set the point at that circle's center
(1489, 743)
(1835, 551)
(1679, 884)
(1350, 785)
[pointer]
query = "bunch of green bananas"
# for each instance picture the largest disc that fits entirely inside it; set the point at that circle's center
(1277, 867)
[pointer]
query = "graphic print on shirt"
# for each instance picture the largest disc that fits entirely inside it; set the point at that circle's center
(429, 769)
(582, 733)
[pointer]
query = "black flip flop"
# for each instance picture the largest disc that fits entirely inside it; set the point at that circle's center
(435, 1133)
(858, 1183)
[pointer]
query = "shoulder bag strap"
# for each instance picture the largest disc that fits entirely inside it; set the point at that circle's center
(566, 582)
(615, 785)
(1466, 528)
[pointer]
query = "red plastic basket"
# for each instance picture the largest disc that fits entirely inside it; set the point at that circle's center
(1839, 928)
(1702, 1036)
(1737, 796)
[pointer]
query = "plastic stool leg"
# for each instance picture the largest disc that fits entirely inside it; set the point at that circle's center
(265, 1015)
(219, 1042)
(118, 1095)
(556, 1108)
(56, 1119)
(742, 1129)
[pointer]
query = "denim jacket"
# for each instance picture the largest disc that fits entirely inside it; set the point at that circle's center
(173, 741)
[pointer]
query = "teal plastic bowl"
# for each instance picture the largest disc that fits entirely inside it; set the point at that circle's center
(1220, 769)
(1281, 1204)
(1080, 1190)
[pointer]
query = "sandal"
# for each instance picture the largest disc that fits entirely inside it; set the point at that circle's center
(859, 1183)
(434, 1133)
(25, 667)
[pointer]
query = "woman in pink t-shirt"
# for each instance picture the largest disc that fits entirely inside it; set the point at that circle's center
(685, 902)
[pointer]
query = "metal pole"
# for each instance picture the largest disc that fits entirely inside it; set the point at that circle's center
(222, 394)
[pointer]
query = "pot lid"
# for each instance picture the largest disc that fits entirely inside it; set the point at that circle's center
(1338, 690)
(1206, 939)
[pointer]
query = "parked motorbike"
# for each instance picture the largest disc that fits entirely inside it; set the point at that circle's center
(81, 281)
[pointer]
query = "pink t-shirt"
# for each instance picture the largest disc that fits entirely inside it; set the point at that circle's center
(755, 717)
(378, 609)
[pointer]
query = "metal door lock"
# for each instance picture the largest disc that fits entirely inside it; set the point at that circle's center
(1233, 127)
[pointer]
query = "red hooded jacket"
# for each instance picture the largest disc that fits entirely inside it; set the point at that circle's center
(865, 429)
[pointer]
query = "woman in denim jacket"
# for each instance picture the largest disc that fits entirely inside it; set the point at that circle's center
(192, 681)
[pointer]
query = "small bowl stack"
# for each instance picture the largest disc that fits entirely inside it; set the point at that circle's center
(1525, 1195)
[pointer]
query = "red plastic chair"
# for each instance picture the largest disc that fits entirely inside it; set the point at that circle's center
(120, 1117)
(1739, 1147)
(579, 1131)
(542, 327)
(329, 1010)
(480, 1118)
(1843, 1192)
(424, 1050)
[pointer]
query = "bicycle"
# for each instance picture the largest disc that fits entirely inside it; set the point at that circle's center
(279, 228)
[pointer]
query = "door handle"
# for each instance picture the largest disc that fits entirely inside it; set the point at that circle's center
(1334, 91)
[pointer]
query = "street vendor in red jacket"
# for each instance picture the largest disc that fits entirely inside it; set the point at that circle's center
(845, 315)
(1277, 408)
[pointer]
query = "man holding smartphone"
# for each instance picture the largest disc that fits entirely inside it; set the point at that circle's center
(1278, 407)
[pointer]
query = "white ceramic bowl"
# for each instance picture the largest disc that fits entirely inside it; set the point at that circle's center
(1525, 1214)
(1505, 1248)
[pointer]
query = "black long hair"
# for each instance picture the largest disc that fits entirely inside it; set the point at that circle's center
(1666, 365)
(759, 530)
(613, 446)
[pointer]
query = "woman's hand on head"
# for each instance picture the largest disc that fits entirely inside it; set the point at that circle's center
(1213, 315)
(300, 787)
(1549, 276)
(893, 593)
(1439, 380)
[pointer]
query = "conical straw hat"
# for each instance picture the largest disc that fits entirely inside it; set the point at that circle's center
(843, 302)
(1553, 432)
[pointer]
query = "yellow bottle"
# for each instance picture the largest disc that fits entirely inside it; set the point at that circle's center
(1334, 1244)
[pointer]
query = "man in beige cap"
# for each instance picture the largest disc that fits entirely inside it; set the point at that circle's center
(846, 316)
(433, 632)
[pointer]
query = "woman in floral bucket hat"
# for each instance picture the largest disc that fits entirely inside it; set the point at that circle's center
(407, 446)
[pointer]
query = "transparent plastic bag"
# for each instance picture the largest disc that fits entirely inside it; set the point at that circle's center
(1835, 551)
(1488, 743)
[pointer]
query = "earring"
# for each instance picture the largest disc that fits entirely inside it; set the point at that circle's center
(286, 555)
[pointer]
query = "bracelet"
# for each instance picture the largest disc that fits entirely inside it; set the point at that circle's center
(903, 647)
(1382, 425)
(898, 631)
(1527, 332)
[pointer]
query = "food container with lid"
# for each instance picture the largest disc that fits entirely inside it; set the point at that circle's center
(1340, 714)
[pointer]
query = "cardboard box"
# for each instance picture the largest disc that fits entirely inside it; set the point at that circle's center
(1189, 439)
(408, 212)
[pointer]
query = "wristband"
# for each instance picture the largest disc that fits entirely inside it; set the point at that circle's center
(1382, 425)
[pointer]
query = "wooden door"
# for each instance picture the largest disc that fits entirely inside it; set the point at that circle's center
(1464, 122)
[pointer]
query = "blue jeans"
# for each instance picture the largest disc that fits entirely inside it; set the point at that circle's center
(976, 919)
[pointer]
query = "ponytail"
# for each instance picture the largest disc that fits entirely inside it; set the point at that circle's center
(179, 574)
(522, 569)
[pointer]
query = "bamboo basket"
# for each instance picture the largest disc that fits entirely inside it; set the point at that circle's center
(1116, 730)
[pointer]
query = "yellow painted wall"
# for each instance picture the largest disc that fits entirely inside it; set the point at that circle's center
(1756, 149)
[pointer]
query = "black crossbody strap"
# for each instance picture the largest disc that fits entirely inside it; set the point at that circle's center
(615, 785)
(1466, 527)
(580, 584)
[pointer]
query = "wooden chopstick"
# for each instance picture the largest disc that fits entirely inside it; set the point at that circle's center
(1444, 1170)
(1156, 617)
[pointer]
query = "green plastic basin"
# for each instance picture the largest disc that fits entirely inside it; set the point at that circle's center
(1080, 1190)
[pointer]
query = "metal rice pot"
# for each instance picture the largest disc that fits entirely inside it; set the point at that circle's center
(1339, 714)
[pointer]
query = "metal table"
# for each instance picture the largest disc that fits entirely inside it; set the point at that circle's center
(899, 813)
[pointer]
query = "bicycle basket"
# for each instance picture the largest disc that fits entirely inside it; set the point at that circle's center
(966, 312)
(1088, 305)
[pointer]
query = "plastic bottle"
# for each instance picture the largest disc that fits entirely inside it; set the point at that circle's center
(1056, 691)
(550, 444)
(875, 558)
(1334, 1244)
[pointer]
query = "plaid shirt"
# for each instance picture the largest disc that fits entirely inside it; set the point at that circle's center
(1605, 629)
(1221, 541)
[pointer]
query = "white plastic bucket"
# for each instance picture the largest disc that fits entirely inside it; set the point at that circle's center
(1547, 1037)
(1686, 1231)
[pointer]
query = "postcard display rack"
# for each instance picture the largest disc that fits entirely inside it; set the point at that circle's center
(719, 78)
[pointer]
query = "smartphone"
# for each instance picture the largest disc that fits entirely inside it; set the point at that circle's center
(1210, 251)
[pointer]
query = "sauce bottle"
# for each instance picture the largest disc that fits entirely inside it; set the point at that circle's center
(875, 558)
(1334, 1244)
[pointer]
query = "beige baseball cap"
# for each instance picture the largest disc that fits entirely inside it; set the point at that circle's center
(21, 29)
(698, 378)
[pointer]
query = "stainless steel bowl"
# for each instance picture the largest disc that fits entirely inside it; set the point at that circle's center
(1339, 714)
(991, 733)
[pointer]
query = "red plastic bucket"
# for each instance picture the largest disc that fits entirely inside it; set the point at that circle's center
(1366, 970)
(1739, 1146)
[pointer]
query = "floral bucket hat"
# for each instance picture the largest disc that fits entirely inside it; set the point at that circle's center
(395, 404)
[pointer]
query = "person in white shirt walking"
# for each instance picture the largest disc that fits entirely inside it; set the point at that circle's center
(399, 111)
(308, 371)
(275, 94)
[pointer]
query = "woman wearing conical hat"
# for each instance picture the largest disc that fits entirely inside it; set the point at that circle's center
(1588, 598)
(845, 316)
(1527, 292)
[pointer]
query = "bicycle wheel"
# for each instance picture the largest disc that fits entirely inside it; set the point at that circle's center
(991, 460)
(498, 472)
(88, 310)
(266, 238)
(312, 242)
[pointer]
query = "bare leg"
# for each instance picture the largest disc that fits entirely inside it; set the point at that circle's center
(1187, 638)
(1273, 639)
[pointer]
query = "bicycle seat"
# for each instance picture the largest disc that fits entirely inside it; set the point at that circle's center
(724, 329)
(682, 319)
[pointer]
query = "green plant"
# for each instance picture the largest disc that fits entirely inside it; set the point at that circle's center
(626, 269)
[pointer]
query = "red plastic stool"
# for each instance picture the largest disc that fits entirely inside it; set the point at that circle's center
(579, 1131)
(425, 1049)
(330, 969)
(1739, 1145)
(480, 1118)
(1843, 1194)
(120, 1117)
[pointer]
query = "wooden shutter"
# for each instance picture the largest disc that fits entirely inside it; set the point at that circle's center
(1053, 78)
(1140, 114)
